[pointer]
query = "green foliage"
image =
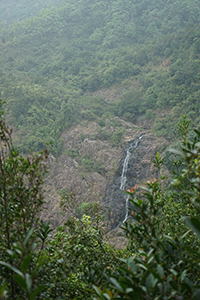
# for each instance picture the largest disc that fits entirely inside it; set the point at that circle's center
(117, 136)
(149, 114)
(89, 165)
(78, 253)
(88, 209)
(104, 134)
(114, 137)
(82, 208)
(33, 264)
(72, 153)
(101, 122)
(22, 276)
(164, 257)
(63, 192)
(21, 199)
(83, 136)
(56, 58)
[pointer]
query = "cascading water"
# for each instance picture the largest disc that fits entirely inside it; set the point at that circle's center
(131, 147)
(125, 177)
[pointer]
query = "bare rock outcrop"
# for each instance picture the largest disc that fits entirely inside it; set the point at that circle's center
(91, 166)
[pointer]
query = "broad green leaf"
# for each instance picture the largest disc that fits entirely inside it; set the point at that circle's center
(160, 270)
(151, 251)
(150, 259)
(12, 268)
(3, 290)
(129, 290)
(106, 296)
(132, 266)
(10, 252)
(183, 274)
(198, 295)
(28, 236)
(37, 291)
(28, 282)
(148, 283)
(175, 151)
(20, 281)
(188, 283)
(184, 235)
(194, 224)
(116, 284)
(142, 266)
(26, 263)
(173, 272)
(39, 266)
(97, 290)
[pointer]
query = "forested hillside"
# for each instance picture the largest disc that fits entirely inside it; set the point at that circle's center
(12, 11)
(52, 64)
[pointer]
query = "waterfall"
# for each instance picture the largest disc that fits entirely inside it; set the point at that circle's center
(131, 147)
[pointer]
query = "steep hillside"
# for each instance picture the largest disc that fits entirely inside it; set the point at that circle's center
(91, 167)
(51, 62)
(75, 73)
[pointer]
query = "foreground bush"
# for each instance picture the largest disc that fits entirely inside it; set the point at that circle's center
(162, 264)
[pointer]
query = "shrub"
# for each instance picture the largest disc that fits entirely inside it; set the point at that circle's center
(163, 259)
(72, 153)
(117, 136)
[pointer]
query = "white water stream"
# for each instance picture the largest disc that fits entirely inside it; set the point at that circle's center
(132, 146)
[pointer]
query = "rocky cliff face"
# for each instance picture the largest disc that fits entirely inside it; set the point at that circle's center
(91, 167)
(139, 170)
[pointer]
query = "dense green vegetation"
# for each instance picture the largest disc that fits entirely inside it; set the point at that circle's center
(75, 261)
(52, 62)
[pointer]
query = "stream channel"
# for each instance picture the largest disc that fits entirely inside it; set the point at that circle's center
(125, 177)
